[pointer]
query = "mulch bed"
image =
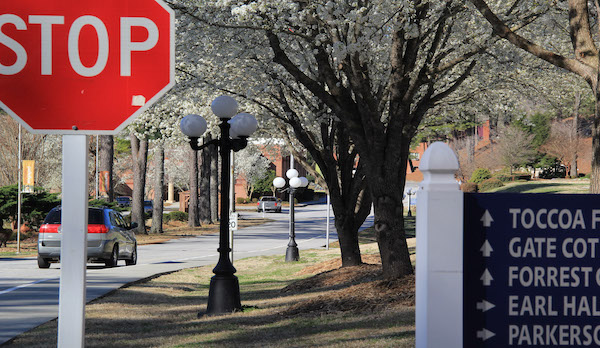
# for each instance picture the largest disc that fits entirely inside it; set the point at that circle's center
(350, 289)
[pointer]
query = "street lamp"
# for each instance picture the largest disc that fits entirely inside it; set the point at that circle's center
(291, 254)
(409, 193)
(224, 292)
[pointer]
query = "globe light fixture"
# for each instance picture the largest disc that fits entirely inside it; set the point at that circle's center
(295, 183)
(224, 107)
(224, 291)
(193, 126)
(279, 182)
(243, 125)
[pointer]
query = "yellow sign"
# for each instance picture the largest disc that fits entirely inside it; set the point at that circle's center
(28, 176)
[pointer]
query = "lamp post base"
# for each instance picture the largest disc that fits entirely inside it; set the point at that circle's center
(292, 254)
(223, 295)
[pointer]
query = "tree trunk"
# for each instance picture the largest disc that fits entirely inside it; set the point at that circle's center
(387, 188)
(575, 136)
(214, 184)
(391, 236)
(159, 183)
(193, 217)
(347, 223)
(105, 162)
(139, 151)
(204, 197)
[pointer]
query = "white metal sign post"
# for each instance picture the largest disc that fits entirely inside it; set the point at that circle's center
(71, 308)
(439, 284)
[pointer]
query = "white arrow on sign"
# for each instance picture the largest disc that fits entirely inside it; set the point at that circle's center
(486, 278)
(486, 249)
(485, 306)
(485, 334)
(487, 219)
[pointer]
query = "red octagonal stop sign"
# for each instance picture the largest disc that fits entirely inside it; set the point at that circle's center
(84, 67)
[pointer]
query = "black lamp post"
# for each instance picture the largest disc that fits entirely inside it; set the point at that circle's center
(291, 253)
(409, 192)
(224, 292)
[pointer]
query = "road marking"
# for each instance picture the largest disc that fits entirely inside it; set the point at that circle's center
(25, 285)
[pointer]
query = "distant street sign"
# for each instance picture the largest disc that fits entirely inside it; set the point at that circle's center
(531, 270)
(84, 67)
(233, 221)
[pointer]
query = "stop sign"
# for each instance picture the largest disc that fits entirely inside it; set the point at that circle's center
(84, 67)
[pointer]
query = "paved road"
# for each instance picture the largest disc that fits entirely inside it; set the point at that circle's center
(29, 296)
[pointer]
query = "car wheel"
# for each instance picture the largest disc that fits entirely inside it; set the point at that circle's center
(114, 257)
(42, 262)
(133, 260)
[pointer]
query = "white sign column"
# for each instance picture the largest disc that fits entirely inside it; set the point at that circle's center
(439, 278)
(71, 309)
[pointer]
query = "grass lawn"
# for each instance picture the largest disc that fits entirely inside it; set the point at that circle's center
(308, 303)
(546, 186)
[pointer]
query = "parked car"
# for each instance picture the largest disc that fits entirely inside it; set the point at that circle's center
(109, 238)
(123, 201)
(269, 203)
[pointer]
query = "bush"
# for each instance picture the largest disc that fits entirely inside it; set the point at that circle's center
(175, 216)
(254, 200)
(241, 200)
(469, 187)
(504, 177)
(104, 203)
(34, 206)
(489, 184)
(479, 175)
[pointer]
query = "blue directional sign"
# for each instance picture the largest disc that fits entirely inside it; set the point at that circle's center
(531, 270)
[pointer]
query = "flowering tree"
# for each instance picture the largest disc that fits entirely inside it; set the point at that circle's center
(377, 67)
(159, 125)
(252, 166)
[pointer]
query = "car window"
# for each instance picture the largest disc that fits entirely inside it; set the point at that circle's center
(113, 219)
(121, 221)
(95, 217)
(268, 199)
(53, 217)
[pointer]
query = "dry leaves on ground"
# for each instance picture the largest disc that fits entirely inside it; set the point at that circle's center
(350, 289)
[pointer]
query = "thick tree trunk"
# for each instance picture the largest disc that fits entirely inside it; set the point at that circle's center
(349, 216)
(204, 197)
(391, 236)
(193, 217)
(387, 188)
(214, 184)
(105, 162)
(159, 184)
(348, 238)
(139, 151)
